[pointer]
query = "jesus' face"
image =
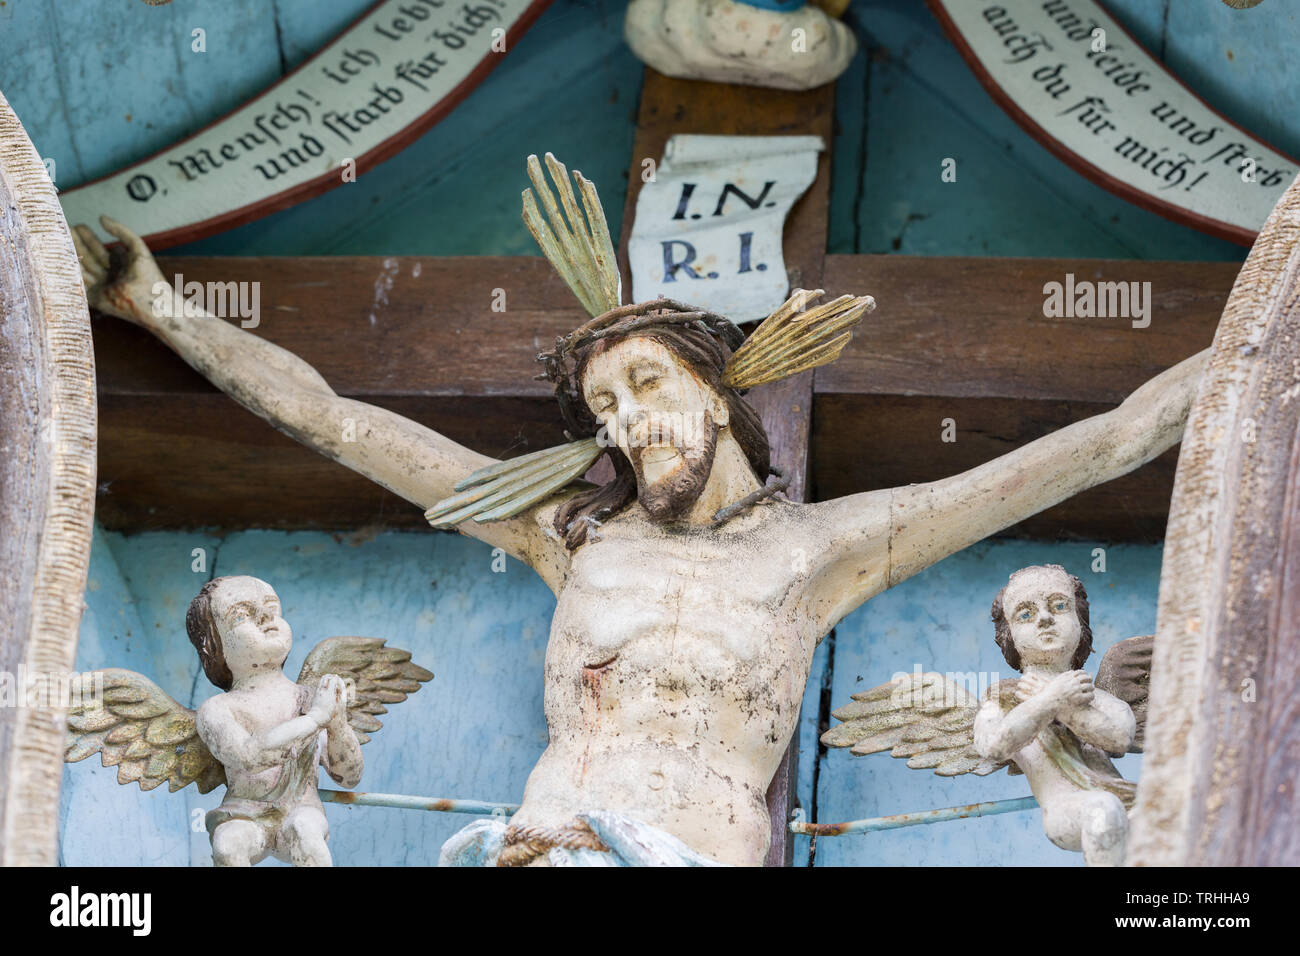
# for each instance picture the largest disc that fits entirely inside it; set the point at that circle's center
(1039, 606)
(661, 415)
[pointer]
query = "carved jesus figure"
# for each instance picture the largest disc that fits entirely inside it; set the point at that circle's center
(681, 642)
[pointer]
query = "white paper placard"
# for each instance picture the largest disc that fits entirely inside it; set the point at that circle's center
(708, 226)
(1078, 82)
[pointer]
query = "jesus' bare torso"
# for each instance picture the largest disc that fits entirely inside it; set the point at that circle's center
(674, 673)
(679, 650)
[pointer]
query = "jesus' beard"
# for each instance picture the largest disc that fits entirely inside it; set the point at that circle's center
(671, 498)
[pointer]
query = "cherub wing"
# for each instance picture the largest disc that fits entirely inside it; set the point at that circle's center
(1125, 671)
(927, 718)
(382, 675)
(135, 726)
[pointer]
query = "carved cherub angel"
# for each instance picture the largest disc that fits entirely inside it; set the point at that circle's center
(263, 737)
(1055, 724)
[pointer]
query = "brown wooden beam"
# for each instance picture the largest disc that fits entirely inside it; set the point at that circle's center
(416, 335)
(372, 326)
(959, 338)
(974, 327)
(966, 339)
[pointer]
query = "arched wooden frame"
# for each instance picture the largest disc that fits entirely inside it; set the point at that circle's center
(47, 484)
(1222, 765)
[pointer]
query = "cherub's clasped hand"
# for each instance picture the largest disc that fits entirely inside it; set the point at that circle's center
(1070, 689)
(331, 700)
(1029, 685)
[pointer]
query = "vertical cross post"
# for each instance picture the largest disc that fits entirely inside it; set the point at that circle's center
(670, 106)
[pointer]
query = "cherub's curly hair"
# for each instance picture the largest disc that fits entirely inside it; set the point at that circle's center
(201, 626)
(1002, 630)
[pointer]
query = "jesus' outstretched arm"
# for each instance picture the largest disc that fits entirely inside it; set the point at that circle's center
(881, 538)
(401, 455)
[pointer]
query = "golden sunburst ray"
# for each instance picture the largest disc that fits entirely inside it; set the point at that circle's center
(507, 488)
(577, 242)
(796, 338)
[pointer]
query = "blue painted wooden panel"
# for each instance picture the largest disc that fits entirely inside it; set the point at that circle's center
(1012, 197)
(474, 731)
(111, 823)
(809, 758)
(1243, 62)
(99, 87)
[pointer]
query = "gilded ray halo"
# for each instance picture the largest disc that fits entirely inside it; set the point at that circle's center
(570, 228)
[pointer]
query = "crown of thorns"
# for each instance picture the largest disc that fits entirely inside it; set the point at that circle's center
(576, 241)
(560, 366)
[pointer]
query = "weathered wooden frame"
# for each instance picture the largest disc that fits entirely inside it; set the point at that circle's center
(1219, 783)
(47, 484)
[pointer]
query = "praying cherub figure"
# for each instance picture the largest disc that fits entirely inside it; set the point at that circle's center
(1054, 724)
(263, 737)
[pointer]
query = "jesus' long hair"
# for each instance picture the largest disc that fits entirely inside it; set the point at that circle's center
(703, 354)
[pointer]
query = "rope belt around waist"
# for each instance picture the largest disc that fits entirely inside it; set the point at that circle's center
(524, 844)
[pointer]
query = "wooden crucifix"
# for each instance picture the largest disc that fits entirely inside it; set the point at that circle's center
(862, 543)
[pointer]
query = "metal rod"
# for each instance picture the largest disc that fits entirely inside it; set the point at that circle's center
(871, 824)
(404, 801)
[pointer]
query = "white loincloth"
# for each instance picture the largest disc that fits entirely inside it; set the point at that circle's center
(630, 842)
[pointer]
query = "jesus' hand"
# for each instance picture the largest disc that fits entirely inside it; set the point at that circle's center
(124, 290)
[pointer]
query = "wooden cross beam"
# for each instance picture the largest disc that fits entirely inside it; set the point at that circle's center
(957, 340)
(953, 338)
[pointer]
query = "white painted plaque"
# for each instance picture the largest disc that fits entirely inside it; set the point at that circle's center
(391, 75)
(1073, 77)
(708, 226)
